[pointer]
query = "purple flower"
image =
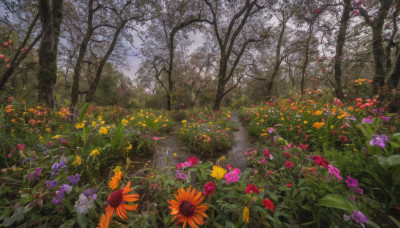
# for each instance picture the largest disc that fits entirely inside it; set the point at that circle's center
(38, 171)
(366, 120)
(333, 171)
(352, 183)
(352, 118)
(271, 130)
(386, 118)
(60, 193)
(379, 140)
(90, 192)
(233, 176)
(35, 174)
(359, 217)
(51, 184)
(262, 161)
(55, 168)
(180, 176)
(74, 179)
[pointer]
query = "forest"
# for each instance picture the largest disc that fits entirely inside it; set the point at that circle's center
(199, 113)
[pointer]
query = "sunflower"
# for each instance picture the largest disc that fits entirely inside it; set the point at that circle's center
(115, 180)
(187, 209)
(117, 203)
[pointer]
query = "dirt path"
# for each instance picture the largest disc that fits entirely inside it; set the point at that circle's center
(243, 142)
(169, 144)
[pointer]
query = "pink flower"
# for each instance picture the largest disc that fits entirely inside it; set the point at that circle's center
(233, 176)
(334, 172)
(156, 138)
(289, 185)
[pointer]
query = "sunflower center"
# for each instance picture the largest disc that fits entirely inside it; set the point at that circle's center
(115, 198)
(186, 208)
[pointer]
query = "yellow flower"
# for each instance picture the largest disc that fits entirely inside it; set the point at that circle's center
(128, 148)
(56, 137)
(124, 122)
(318, 125)
(113, 184)
(318, 113)
(117, 168)
(79, 125)
(174, 154)
(95, 152)
(103, 130)
(218, 172)
(78, 160)
(246, 214)
(41, 139)
(305, 122)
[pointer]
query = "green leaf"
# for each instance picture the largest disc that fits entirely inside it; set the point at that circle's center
(387, 162)
(82, 220)
(337, 201)
(83, 112)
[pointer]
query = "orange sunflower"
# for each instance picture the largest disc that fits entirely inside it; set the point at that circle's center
(187, 209)
(117, 203)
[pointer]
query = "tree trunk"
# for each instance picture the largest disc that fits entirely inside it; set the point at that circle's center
(81, 55)
(277, 58)
(339, 48)
(220, 95)
(51, 17)
(303, 70)
(379, 59)
(393, 81)
(95, 82)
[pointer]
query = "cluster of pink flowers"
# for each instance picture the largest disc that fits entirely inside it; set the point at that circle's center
(233, 176)
(209, 189)
(333, 171)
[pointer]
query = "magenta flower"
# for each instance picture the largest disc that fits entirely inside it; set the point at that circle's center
(233, 176)
(352, 183)
(209, 189)
(334, 172)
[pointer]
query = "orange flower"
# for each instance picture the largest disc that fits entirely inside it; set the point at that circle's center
(115, 180)
(116, 203)
(187, 209)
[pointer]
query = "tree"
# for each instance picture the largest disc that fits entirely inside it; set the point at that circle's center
(339, 47)
(51, 17)
(124, 14)
(227, 34)
(27, 19)
(376, 25)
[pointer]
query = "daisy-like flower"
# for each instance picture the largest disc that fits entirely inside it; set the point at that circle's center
(117, 203)
(187, 209)
(218, 172)
(113, 184)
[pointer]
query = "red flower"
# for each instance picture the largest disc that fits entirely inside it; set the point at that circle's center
(319, 160)
(252, 188)
(267, 203)
(288, 164)
(193, 160)
(289, 185)
(209, 189)
(287, 154)
(303, 146)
